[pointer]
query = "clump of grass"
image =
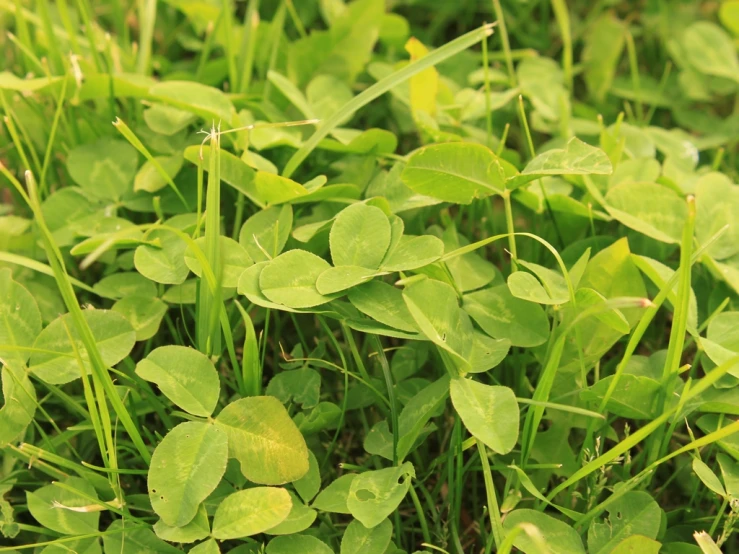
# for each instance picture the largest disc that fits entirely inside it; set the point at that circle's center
(445, 287)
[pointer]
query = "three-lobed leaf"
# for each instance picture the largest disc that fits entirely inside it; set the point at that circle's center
(383, 303)
(310, 483)
(374, 495)
(413, 252)
(300, 518)
(185, 468)
(454, 172)
(435, 309)
(164, 264)
(55, 360)
(265, 233)
(20, 403)
(576, 158)
(123, 538)
(185, 376)
(558, 536)
(251, 511)
(265, 441)
(105, 168)
(360, 236)
(709, 50)
(634, 513)
(290, 279)
(490, 413)
(653, 210)
(144, 313)
(290, 544)
(359, 539)
(20, 323)
(341, 278)
(503, 316)
(56, 508)
(20, 320)
(234, 260)
(334, 497)
(196, 530)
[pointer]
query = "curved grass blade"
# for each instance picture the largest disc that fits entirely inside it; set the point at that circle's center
(381, 87)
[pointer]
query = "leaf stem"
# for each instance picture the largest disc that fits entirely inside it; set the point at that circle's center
(492, 500)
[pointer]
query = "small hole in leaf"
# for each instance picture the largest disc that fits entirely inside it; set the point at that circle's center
(153, 491)
(401, 479)
(443, 337)
(364, 494)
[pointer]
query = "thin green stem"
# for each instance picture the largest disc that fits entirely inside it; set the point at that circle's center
(210, 34)
(233, 76)
(390, 393)
(100, 369)
(492, 500)
(510, 228)
(561, 13)
(421, 515)
(488, 111)
(505, 42)
(296, 19)
(52, 135)
(635, 80)
(644, 432)
(532, 152)
(248, 45)
(147, 20)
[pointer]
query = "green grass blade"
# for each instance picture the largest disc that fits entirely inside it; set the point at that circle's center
(492, 499)
(390, 393)
(131, 137)
(679, 325)
(147, 19)
(251, 367)
(500, 20)
(55, 55)
(233, 76)
(562, 14)
(52, 134)
(248, 45)
(73, 538)
(70, 300)
(278, 25)
(380, 88)
(706, 440)
(42, 268)
(646, 319)
(643, 432)
(84, 10)
(208, 331)
(63, 9)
